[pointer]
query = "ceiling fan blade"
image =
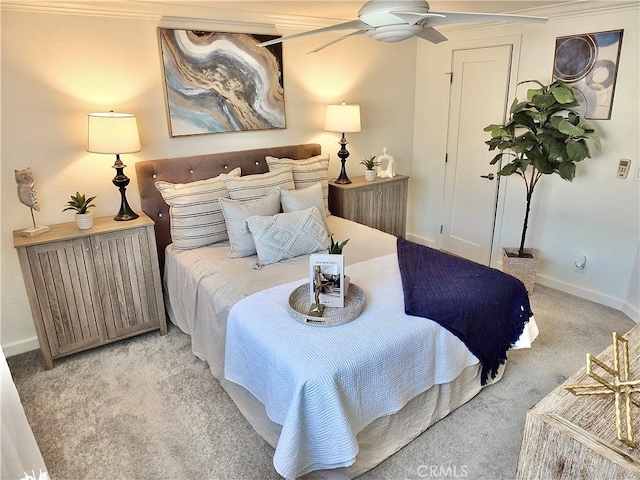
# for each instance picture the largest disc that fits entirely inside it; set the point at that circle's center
(359, 32)
(353, 25)
(412, 18)
(469, 17)
(432, 35)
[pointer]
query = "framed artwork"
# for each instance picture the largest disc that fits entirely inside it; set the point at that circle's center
(589, 63)
(219, 82)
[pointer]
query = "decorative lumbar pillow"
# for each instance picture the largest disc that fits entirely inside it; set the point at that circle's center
(236, 212)
(194, 210)
(306, 172)
(303, 198)
(288, 235)
(253, 187)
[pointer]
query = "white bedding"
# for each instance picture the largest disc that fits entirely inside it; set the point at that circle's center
(324, 385)
(202, 288)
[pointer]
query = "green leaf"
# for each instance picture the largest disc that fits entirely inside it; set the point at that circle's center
(557, 151)
(577, 150)
(563, 94)
(567, 171)
(594, 138)
(543, 102)
(508, 169)
(496, 159)
(525, 119)
(543, 165)
(568, 129)
(518, 107)
(492, 127)
(533, 93)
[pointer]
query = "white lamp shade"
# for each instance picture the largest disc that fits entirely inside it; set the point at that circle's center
(112, 133)
(342, 118)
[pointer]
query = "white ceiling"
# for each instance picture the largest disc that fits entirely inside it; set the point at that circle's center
(299, 13)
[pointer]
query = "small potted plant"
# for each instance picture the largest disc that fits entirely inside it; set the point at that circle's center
(81, 204)
(370, 164)
(336, 247)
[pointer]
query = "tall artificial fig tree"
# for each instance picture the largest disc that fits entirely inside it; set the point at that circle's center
(542, 136)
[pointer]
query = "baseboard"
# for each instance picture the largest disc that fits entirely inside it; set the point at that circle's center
(22, 346)
(631, 311)
(421, 240)
(591, 295)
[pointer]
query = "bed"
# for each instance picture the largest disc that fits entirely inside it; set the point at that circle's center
(385, 377)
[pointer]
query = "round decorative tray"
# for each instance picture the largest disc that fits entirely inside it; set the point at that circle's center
(300, 301)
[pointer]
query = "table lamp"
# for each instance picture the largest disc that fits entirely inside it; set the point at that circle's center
(115, 133)
(343, 119)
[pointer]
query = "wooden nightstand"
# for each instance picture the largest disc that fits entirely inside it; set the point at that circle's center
(380, 204)
(91, 287)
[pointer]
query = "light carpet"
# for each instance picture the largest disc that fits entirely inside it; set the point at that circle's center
(147, 408)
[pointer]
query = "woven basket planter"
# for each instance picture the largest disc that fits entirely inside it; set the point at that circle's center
(524, 269)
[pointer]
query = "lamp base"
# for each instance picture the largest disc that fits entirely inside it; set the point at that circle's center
(123, 217)
(121, 181)
(343, 154)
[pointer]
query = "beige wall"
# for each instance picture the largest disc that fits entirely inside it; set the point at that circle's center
(596, 215)
(56, 68)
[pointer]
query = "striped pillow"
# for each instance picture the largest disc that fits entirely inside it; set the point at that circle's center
(194, 209)
(253, 187)
(306, 172)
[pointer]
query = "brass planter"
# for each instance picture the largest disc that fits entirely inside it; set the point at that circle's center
(524, 269)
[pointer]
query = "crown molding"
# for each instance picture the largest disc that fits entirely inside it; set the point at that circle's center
(172, 12)
(190, 14)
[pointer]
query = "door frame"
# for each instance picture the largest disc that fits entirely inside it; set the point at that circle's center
(495, 255)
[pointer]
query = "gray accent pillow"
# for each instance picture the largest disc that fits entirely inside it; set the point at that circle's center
(303, 198)
(194, 210)
(236, 212)
(288, 235)
(306, 172)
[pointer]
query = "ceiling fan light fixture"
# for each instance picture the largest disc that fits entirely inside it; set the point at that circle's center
(378, 13)
(394, 33)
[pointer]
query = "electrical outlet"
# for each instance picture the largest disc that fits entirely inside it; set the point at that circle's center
(637, 177)
(580, 263)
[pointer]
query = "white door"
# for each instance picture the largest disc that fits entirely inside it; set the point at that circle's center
(479, 91)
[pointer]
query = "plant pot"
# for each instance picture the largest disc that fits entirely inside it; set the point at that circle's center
(523, 268)
(369, 175)
(84, 220)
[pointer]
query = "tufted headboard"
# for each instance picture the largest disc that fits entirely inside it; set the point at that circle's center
(201, 167)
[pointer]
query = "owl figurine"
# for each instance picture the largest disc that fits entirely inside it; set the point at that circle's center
(28, 195)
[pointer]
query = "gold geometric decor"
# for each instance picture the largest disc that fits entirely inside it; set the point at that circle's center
(619, 385)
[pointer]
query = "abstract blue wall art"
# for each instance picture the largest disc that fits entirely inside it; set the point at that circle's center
(219, 82)
(589, 63)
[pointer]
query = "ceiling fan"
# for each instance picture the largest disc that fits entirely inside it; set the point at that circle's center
(396, 20)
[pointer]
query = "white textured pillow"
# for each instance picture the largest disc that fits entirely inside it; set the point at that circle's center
(236, 212)
(253, 187)
(303, 198)
(306, 172)
(194, 210)
(288, 235)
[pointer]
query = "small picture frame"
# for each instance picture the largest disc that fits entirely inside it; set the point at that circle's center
(331, 276)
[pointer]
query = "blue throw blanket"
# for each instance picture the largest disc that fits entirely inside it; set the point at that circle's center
(484, 307)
